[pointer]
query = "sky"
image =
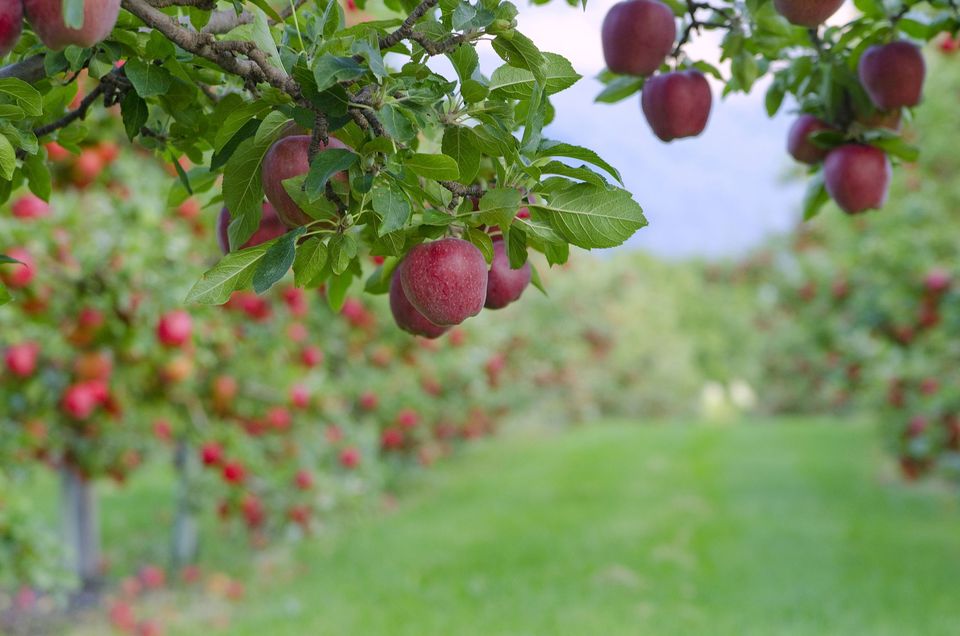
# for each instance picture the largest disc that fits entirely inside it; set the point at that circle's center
(715, 195)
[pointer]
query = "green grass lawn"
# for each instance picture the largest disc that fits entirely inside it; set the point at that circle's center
(794, 528)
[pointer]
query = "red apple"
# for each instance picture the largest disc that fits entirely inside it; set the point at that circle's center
(445, 280)
(17, 275)
(79, 401)
(406, 316)
(798, 141)
(638, 35)
(303, 479)
(30, 206)
(234, 472)
(391, 438)
(504, 284)
(21, 359)
(677, 104)
(350, 457)
(211, 454)
(937, 282)
(892, 74)
(11, 24)
(857, 177)
(46, 17)
(287, 158)
(270, 228)
(807, 13)
(174, 328)
(300, 396)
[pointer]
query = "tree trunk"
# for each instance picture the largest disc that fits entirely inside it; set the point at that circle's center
(81, 530)
(186, 531)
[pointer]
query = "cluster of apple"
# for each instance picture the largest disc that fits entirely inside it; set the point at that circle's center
(639, 35)
(437, 285)
(47, 19)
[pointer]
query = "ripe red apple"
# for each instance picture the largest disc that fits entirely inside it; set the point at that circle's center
(445, 280)
(391, 438)
(638, 35)
(406, 316)
(287, 158)
(857, 177)
(504, 284)
(807, 13)
(937, 282)
(46, 17)
(87, 167)
(279, 418)
(407, 418)
(79, 401)
(892, 74)
(311, 356)
(677, 104)
(30, 206)
(798, 140)
(303, 479)
(17, 275)
(270, 228)
(211, 454)
(369, 401)
(174, 328)
(234, 472)
(350, 457)
(11, 24)
(300, 396)
(21, 359)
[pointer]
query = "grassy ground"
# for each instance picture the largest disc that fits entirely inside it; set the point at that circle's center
(621, 529)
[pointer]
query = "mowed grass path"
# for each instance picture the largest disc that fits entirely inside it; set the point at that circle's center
(622, 529)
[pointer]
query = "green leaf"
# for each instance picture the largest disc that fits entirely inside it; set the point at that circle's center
(393, 206)
(310, 261)
(815, 197)
(5, 296)
(483, 242)
(498, 207)
(315, 208)
(330, 69)
(235, 271)
(271, 127)
(27, 98)
(337, 290)
(622, 87)
(236, 120)
(149, 80)
(72, 13)
(38, 176)
(559, 149)
(8, 159)
(462, 145)
(437, 167)
(343, 249)
(266, 8)
(519, 51)
(243, 190)
(509, 82)
(277, 261)
(135, 113)
(326, 164)
(589, 216)
(397, 123)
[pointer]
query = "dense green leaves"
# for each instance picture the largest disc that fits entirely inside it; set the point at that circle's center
(589, 216)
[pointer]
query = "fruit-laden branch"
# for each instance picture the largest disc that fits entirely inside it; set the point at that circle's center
(255, 69)
(223, 21)
(406, 32)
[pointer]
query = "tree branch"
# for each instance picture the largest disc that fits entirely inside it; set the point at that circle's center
(29, 70)
(206, 5)
(461, 190)
(406, 29)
